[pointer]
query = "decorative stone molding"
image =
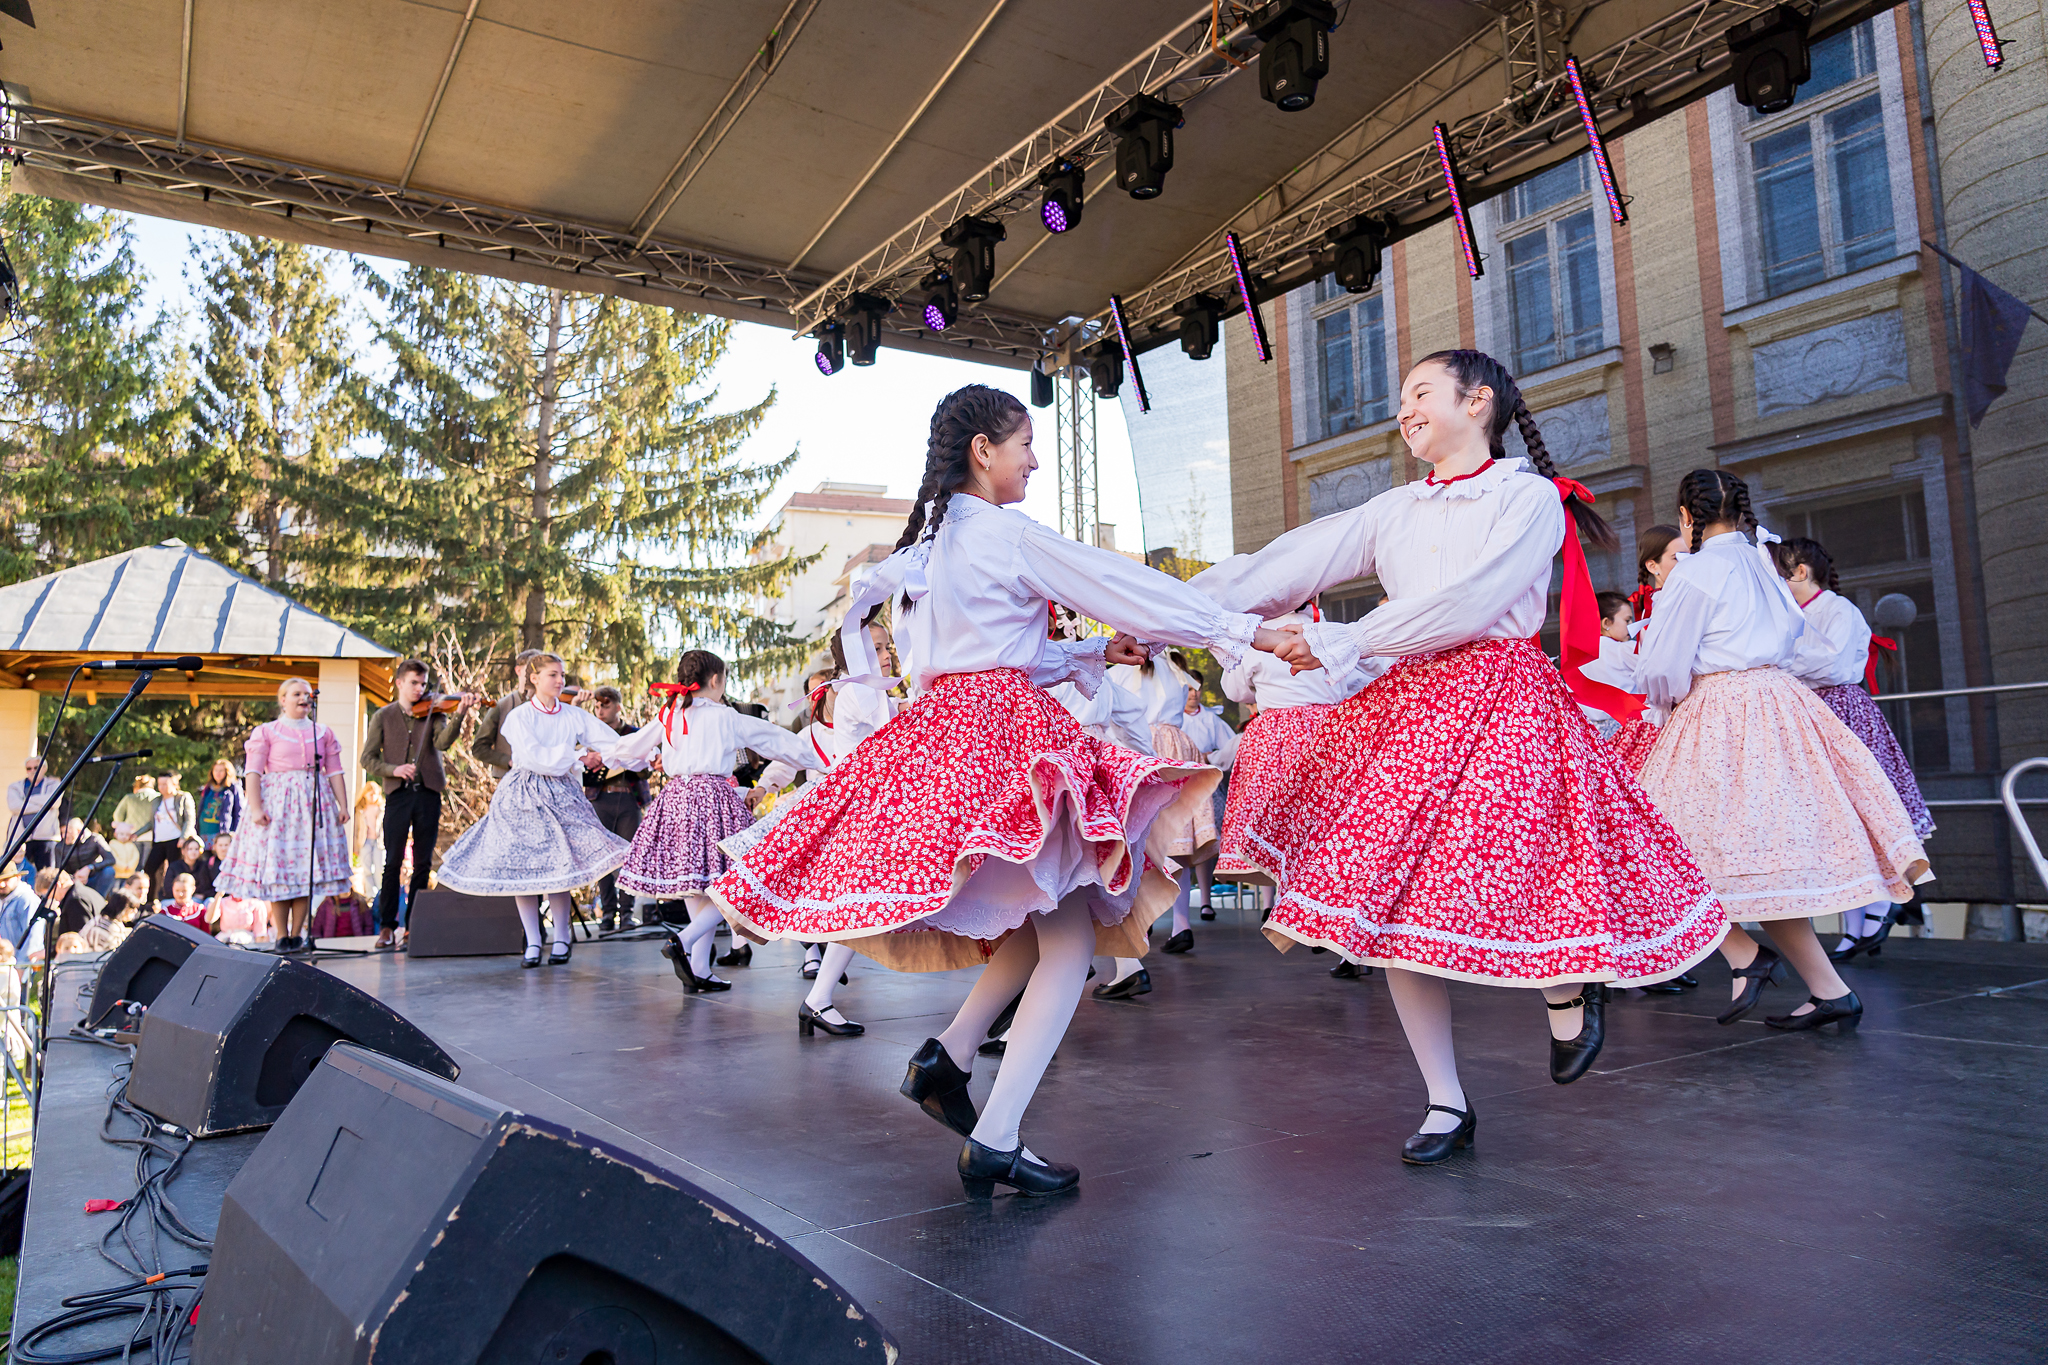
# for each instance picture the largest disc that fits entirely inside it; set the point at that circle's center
(1576, 433)
(1809, 435)
(1860, 355)
(1343, 489)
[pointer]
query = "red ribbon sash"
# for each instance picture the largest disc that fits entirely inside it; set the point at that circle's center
(1578, 618)
(1877, 642)
(675, 692)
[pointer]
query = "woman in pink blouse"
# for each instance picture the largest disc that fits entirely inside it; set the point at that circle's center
(291, 849)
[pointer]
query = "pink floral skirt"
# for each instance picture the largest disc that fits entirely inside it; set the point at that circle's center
(1194, 838)
(675, 850)
(982, 803)
(1459, 817)
(1272, 744)
(281, 860)
(1789, 815)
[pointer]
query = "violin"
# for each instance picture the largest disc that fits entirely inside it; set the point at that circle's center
(436, 703)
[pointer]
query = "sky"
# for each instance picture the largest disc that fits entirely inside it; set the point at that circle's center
(864, 425)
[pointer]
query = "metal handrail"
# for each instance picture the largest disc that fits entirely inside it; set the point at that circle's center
(1960, 692)
(2006, 792)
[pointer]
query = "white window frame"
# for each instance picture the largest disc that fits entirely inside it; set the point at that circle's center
(1493, 308)
(1313, 311)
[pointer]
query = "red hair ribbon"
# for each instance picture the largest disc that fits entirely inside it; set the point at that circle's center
(1877, 642)
(1315, 610)
(1578, 620)
(675, 692)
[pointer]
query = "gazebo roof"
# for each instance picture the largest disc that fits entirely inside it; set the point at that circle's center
(169, 599)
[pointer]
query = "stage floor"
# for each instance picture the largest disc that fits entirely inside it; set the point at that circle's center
(1707, 1190)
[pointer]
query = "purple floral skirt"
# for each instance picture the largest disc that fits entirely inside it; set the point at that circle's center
(676, 848)
(1857, 711)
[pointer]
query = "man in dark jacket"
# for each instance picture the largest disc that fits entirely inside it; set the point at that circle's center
(405, 751)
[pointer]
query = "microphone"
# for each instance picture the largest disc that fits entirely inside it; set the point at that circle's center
(123, 758)
(185, 663)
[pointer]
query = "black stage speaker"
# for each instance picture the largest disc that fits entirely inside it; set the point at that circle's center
(451, 924)
(138, 970)
(234, 1035)
(389, 1212)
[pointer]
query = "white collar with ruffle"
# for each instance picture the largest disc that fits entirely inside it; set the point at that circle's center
(1472, 486)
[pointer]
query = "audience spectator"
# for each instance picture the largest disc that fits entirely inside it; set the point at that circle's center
(131, 899)
(238, 919)
(190, 860)
(70, 943)
(76, 903)
(176, 820)
(102, 933)
(90, 858)
(137, 811)
(35, 790)
(215, 857)
(182, 905)
(127, 853)
(366, 840)
(17, 908)
(16, 1031)
(220, 801)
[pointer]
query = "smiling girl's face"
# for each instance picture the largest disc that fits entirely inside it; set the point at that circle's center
(999, 470)
(1437, 422)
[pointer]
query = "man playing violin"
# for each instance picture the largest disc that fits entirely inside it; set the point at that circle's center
(404, 747)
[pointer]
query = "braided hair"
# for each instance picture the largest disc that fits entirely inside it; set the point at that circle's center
(697, 666)
(1475, 369)
(1709, 496)
(1788, 555)
(969, 411)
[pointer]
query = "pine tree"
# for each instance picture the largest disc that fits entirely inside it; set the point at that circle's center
(556, 475)
(90, 393)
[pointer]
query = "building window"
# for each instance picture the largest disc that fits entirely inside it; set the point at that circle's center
(1353, 387)
(1821, 172)
(1553, 251)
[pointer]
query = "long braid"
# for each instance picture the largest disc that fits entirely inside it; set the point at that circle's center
(1714, 496)
(1476, 369)
(974, 410)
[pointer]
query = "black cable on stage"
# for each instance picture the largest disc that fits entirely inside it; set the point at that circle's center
(164, 1317)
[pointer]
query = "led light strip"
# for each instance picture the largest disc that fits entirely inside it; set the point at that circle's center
(1123, 337)
(1594, 140)
(1244, 291)
(1458, 214)
(1987, 36)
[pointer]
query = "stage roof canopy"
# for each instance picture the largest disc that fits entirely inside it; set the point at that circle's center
(769, 159)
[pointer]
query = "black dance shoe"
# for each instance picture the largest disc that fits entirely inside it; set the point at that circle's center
(1570, 1058)
(983, 1168)
(1426, 1149)
(1137, 983)
(559, 953)
(1207, 913)
(1350, 971)
(693, 984)
(741, 956)
(531, 957)
(939, 1088)
(808, 1019)
(994, 1047)
(810, 969)
(291, 943)
(1000, 1025)
(1872, 942)
(1667, 987)
(1845, 1010)
(1758, 975)
(1180, 942)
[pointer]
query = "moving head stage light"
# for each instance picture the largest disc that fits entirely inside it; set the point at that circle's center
(862, 318)
(941, 300)
(1358, 242)
(1769, 59)
(1143, 129)
(974, 254)
(1106, 368)
(831, 355)
(1296, 54)
(1201, 320)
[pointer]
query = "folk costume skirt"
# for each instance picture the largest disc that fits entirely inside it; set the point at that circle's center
(1632, 740)
(1195, 839)
(1459, 817)
(1788, 813)
(274, 862)
(675, 850)
(1273, 743)
(982, 803)
(1854, 708)
(539, 835)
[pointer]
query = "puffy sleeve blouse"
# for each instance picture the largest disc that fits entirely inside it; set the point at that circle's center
(1720, 611)
(1835, 647)
(278, 746)
(551, 742)
(706, 737)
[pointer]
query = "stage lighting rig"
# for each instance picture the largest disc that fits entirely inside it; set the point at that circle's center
(941, 300)
(1296, 55)
(1143, 128)
(862, 317)
(1358, 243)
(974, 254)
(1769, 59)
(1062, 184)
(1201, 320)
(831, 355)
(1106, 368)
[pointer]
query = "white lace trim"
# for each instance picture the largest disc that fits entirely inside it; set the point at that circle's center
(1478, 485)
(1235, 639)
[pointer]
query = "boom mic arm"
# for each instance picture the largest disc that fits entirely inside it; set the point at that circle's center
(184, 663)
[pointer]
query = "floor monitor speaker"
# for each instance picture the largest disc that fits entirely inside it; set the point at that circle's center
(391, 1217)
(137, 971)
(232, 1037)
(451, 924)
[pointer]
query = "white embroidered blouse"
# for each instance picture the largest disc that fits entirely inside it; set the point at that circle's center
(1835, 647)
(708, 737)
(1721, 610)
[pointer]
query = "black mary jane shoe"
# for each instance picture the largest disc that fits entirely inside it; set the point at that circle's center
(1871, 943)
(808, 1019)
(1000, 1025)
(994, 1047)
(1137, 983)
(693, 984)
(939, 1087)
(1571, 1058)
(531, 957)
(1180, 942)
(1426, 1149)
(1208, 913)
(810, 969)
(1845, 1010)
(1668, 987)
(984, 1168)
(1348, 971)
(559, 953)
(741, 956)
(1758, 975)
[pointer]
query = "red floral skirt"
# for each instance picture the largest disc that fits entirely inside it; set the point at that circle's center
(1273, 743)
(1460, 817)
(983, 802)
(1633, 742)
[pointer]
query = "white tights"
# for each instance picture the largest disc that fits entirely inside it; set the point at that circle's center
(1424, 1004)
(1048, 960)
(698, 937)
(561, 916)
(1180, 902)
(1864, 919)
(834, 961)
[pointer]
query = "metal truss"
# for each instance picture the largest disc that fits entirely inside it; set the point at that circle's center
(1074, 424)
(1178, 68)
(496, 239)
(1648, 73)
